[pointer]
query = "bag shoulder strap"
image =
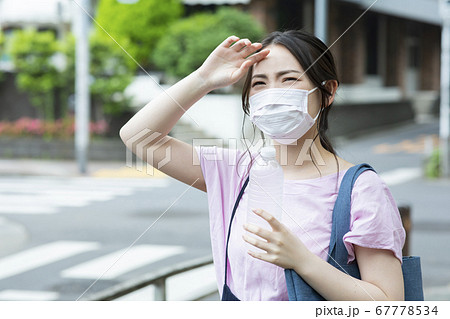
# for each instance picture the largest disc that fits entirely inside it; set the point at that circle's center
(236, 204)
(341, 213)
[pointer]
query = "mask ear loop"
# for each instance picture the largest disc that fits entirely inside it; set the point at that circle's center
(320, 111)
(323, 84)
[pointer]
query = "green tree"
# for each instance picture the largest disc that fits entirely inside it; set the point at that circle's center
(112, 71)
(433, 165)
(33, 55)
(189, 41)
(142, 23)
(36, 56)
(67, 49)
(2, 51)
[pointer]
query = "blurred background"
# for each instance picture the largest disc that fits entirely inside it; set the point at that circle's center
(77, 221)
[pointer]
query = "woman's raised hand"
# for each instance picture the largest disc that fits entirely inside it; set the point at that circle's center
(230, 61)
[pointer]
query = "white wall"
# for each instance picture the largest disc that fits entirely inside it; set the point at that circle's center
(219, 115)
(33, 12)
(418, 10)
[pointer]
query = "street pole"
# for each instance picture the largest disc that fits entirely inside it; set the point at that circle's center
(82, 106)
(60, 22)
(444, 125)
(321, 19)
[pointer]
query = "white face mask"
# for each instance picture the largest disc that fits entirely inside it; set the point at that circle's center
(282, 114)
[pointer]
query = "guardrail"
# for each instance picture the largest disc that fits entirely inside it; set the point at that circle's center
(157, 278)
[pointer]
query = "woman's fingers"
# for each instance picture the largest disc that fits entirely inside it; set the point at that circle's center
(238, 46)
(249, 62)
(256, 242)
(229, 41)
(230, 61)
(258, 56)
(246, 50)
(273, 222)
(249, 50)
(258, 231)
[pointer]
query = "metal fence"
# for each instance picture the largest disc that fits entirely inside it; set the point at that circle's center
(157, 278)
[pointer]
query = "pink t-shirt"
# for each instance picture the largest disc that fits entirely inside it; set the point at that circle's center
(308, 205)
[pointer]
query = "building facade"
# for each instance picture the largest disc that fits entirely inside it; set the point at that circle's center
(394, 44)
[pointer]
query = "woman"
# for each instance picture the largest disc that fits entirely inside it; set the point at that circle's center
(303, 68)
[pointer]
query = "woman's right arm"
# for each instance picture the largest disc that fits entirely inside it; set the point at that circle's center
(149, 127)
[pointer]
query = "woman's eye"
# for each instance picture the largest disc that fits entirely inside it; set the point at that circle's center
(258, 83)
(290, 79)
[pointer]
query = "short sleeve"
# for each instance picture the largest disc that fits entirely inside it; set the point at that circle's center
(220, 165)
(223, 170)
(375, 220)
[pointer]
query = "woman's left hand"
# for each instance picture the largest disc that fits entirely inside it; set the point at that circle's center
(282, 247)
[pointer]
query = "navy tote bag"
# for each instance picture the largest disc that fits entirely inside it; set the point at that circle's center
(299, 290)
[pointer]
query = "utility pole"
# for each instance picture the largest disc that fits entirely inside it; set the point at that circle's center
(60, 26)
(444, 125)
(321, 19)
(82, 96)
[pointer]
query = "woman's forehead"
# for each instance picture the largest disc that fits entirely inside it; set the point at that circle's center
(278, 59)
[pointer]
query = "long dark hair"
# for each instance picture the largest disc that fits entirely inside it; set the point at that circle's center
(318, 63)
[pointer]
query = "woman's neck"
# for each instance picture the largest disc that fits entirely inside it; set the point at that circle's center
(306, 158)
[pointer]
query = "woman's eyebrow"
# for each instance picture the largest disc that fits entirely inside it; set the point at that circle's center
(278, 74)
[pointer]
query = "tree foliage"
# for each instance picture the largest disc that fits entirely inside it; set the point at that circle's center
(33, 55)
(2, 50)
(189, 41)
(112, 71)
(433, 165)
(36, 56)
(141, 23)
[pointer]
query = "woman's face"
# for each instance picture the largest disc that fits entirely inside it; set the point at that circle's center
(280, 69)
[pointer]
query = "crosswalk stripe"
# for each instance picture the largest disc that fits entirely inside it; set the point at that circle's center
(92, 195)
(69, 192)
(38, 195)
(27, 295)
(64, 188)
(27, 209)
(87, 181)
(55, 200)
(42, 255)
(135, 182)
(122, 261)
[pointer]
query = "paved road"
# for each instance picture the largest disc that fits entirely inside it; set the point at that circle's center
(69, 231)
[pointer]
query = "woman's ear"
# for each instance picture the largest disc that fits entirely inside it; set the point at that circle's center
(331, 86)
